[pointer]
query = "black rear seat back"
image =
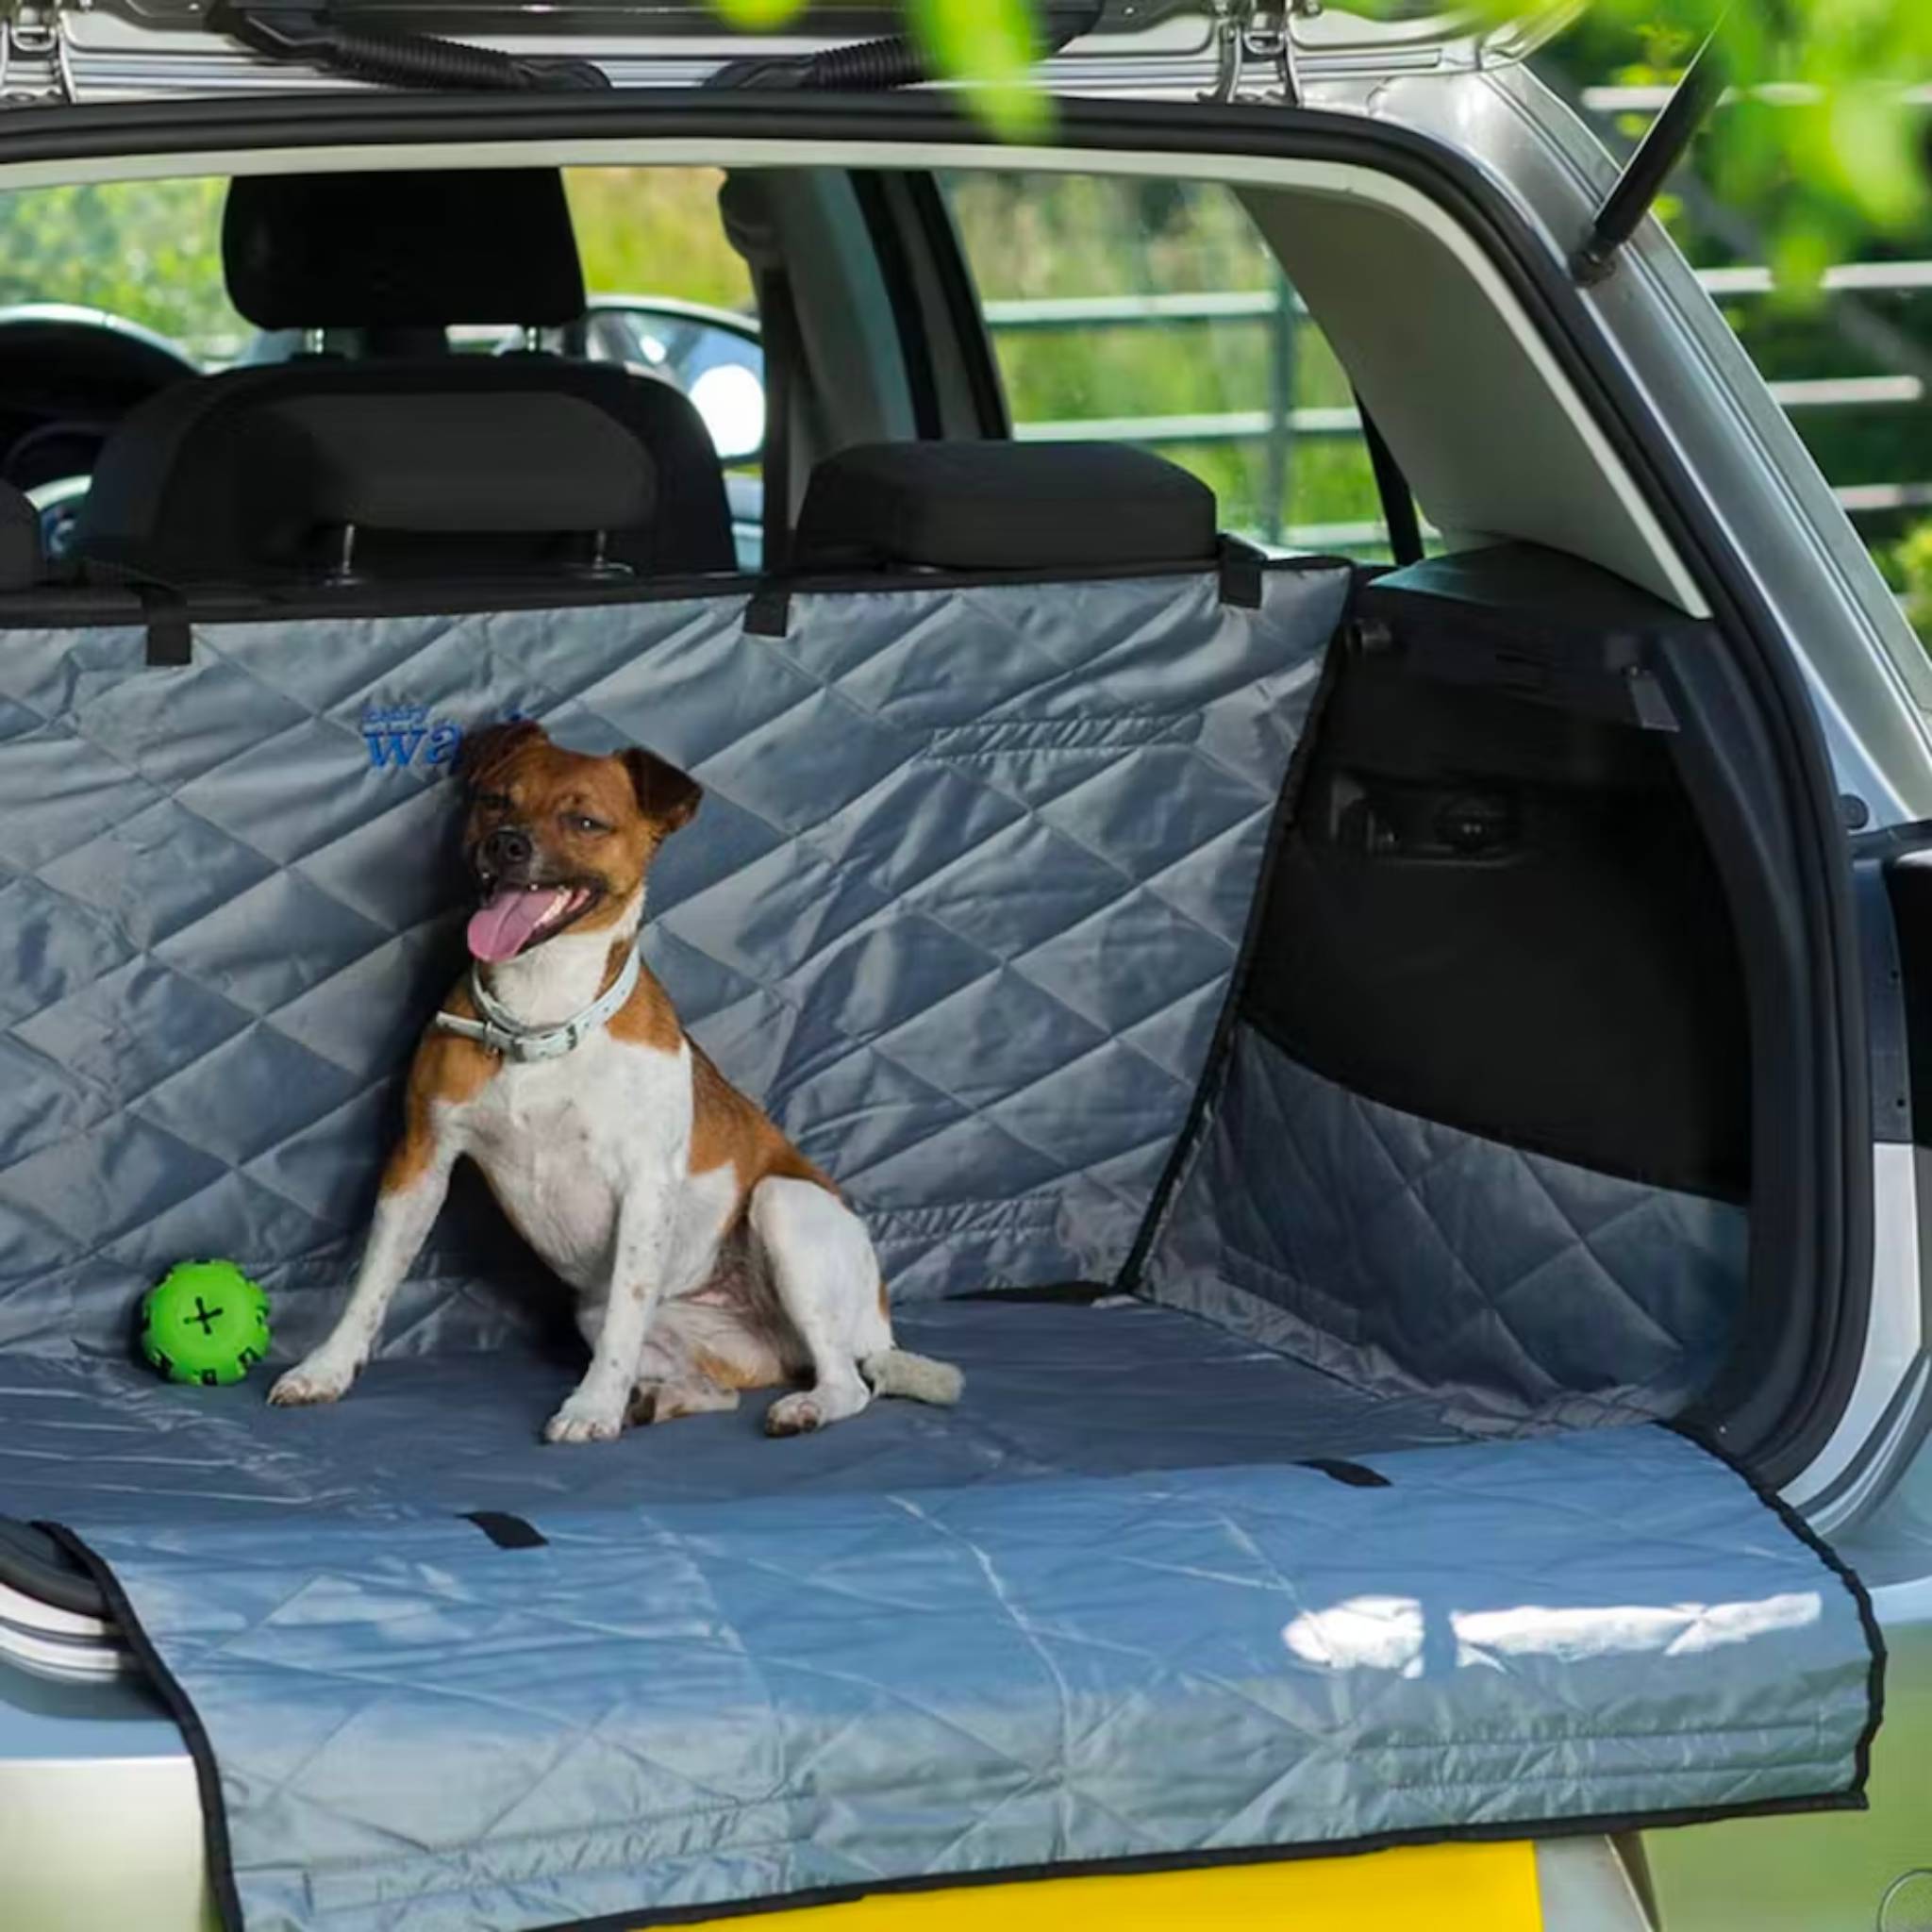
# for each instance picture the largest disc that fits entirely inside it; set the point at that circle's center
(406, 469)
(1002, 506)
(187, 489)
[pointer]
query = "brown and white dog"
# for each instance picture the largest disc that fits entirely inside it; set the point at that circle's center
(707, 1254)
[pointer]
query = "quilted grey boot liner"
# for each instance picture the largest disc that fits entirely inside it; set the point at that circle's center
(964, 903)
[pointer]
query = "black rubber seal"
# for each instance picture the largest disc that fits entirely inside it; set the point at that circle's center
(35, 1564)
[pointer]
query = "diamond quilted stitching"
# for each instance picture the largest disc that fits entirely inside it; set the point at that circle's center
(785, 928)
(257, 966)
(65, 791)
(1403, 1254)
(59, 947)
(158, 871)
(270, 1088)
(122, 1176)
(172, 727)
(134, 1025)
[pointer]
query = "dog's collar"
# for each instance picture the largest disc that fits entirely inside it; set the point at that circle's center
(501, 1032)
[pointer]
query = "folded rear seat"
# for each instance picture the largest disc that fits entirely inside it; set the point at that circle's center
(196, 485)
(991, 786)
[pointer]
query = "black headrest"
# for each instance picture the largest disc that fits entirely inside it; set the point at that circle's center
(404, 250)
(215, 481)
(435, 464)
(1002, 506)
(20, 540)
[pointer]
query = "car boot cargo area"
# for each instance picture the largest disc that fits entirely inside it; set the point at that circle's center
(1332, 1256)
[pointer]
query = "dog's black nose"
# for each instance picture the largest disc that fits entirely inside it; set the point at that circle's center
(507, 849)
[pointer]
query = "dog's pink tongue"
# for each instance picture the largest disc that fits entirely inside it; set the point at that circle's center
(502, 929)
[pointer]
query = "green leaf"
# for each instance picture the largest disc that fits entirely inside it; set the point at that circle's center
(758, 16)
(989, 45)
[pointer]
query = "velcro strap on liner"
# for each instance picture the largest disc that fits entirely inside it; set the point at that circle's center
(1357, 1476)
(170, 635)
(1240, 574)
(505, 1531)
(769, 612)
(163, 608)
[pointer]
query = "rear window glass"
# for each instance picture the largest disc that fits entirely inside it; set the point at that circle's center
(1151, 311)
(150, 252)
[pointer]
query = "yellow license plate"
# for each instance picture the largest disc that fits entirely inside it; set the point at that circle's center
(1444, 1888)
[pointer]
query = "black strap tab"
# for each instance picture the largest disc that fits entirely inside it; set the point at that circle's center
(505, 1531)
(1357, 1476)
(769, 612)
(170, 635)
(1240, 574)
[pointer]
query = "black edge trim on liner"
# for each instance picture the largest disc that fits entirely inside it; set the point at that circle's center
(1609, 1825)
(1535, 275)
(228, 1903)
(1227, 1023)
(1854, 1582)
(208, 1776)
(218, 604)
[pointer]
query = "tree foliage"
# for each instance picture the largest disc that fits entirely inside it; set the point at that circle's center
(1821, 135)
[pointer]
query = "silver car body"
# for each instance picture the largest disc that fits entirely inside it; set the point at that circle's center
(83, 1739)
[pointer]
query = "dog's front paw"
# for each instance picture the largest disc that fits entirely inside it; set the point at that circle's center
(797, 1414)
(318, 1379)
(586, 1419)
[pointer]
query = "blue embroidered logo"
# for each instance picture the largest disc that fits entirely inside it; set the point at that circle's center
(400, 735)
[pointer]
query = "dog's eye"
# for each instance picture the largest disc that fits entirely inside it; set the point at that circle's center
(493, 801)
(579, 823)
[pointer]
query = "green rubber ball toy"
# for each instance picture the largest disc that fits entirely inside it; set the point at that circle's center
(204, 1321)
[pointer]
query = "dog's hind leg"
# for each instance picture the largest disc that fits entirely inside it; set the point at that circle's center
(827, 1278)
(699, 1355)
(667, 1402)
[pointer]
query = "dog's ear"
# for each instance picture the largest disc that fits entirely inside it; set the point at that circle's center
(665, 795)
(485, 752)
